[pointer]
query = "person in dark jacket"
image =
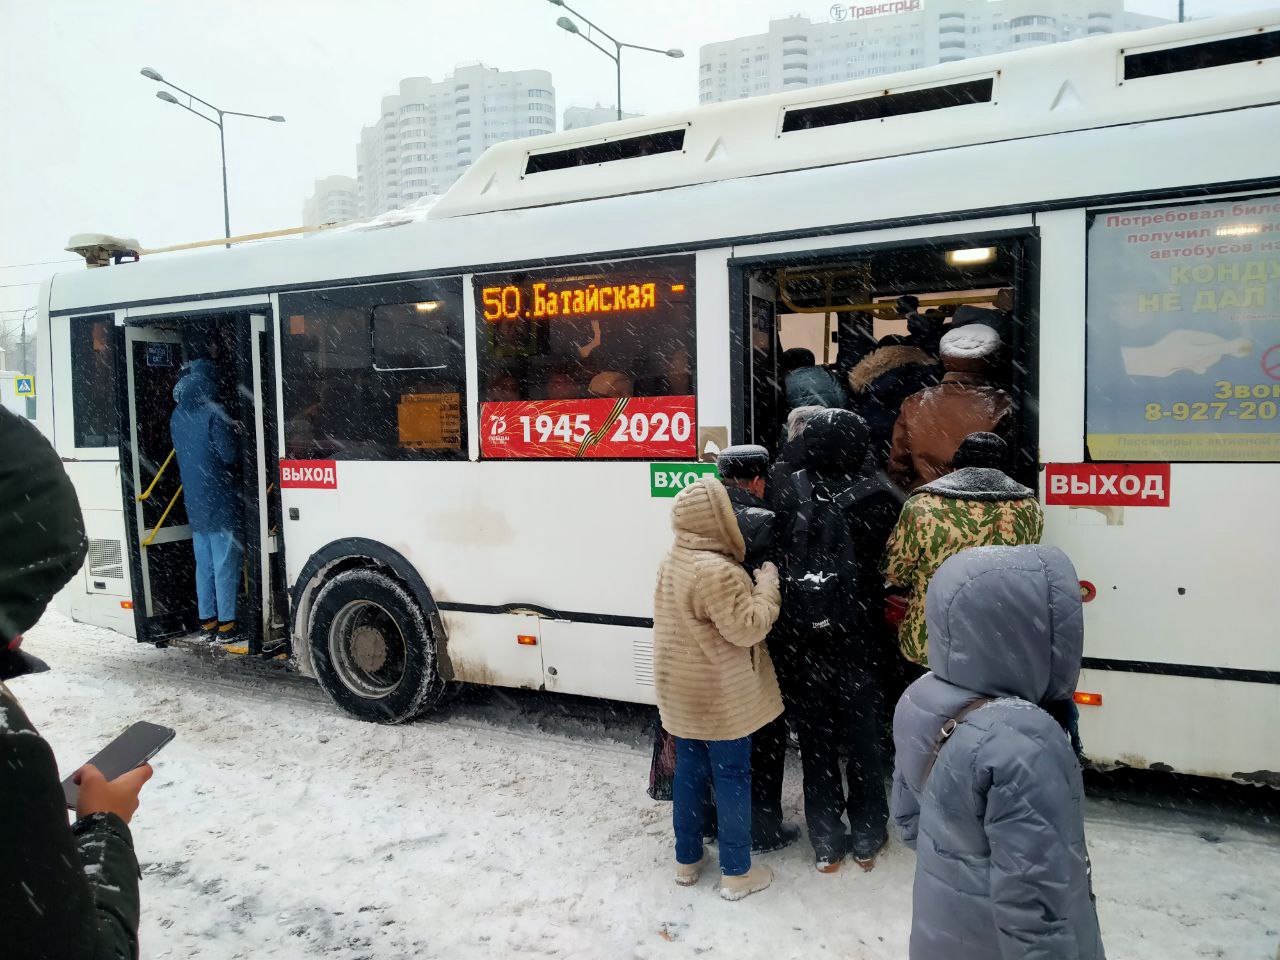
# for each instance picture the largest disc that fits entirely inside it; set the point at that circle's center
(830, 672)
(65, 891)
(881, 383)
(743, 469)
(791, 451)
(807, 384)
(205, 440)
(994, 813)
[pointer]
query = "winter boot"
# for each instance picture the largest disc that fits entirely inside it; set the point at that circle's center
(783, 837)
(743, 885)
(867, 861)
(688, 874)
(827, 857)
(208, 628)
(227, 632)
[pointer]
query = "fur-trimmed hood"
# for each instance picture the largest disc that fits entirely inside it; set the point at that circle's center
(883, 360)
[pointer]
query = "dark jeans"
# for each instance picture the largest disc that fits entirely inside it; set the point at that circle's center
(727, 765)
(834, 702)
(768, 759)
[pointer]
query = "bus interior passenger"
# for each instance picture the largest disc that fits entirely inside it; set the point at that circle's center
(874, 319)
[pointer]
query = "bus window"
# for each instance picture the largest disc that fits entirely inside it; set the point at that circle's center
(561, 343)
(1182, 355)
(374, 373)
(93, 382)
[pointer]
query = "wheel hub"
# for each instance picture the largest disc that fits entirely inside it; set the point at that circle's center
(368, 648)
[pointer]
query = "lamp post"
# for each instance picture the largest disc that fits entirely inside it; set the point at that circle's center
(564, 23)
(168, 97)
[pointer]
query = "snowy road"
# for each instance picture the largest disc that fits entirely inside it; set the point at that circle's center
(518, 826)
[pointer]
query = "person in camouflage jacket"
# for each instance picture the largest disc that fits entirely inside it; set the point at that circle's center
(976, 505)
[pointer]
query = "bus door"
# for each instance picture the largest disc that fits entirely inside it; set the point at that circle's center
(159, 536)
(264, 610)
(839, 305)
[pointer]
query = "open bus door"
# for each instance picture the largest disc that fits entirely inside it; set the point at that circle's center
(264, 603)
(159, 535)
(156, 525)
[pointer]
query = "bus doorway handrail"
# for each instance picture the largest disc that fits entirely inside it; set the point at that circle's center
(156, 479)
(164, 516)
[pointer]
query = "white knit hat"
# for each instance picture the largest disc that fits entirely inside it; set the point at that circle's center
(973, 341)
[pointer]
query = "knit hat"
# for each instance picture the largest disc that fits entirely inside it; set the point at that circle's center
(745, 461)
(981, 450)
(835, 441)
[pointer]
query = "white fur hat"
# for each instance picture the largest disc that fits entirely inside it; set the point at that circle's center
(973, 341)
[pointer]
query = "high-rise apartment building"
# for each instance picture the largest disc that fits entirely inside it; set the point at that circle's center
(868, 38)
(333, 200)
(431, 131)
(577, 117)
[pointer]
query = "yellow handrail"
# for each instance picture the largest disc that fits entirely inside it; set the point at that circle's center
(164, 516)
(156, 479)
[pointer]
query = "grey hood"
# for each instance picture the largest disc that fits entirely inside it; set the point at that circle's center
(1007, 622)
(1002, 867)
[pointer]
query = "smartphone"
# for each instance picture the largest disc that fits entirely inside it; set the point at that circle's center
(131, 749)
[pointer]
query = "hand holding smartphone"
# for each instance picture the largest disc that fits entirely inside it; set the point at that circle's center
(125, 753)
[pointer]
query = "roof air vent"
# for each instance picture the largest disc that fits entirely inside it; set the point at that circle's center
(625, 148)
(889, 104)
(1200, 56)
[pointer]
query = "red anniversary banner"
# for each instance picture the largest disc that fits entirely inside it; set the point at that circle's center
(644, 428)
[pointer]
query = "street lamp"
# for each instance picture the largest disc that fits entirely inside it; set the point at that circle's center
(564, 23)
(168, 97)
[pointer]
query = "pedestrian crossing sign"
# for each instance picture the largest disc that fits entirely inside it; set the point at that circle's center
(25, 386)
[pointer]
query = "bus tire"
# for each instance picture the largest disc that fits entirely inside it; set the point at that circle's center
(372, 648)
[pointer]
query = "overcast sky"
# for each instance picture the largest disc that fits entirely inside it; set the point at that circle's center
(86, 146)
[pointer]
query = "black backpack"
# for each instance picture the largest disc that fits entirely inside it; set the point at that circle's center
(818, 563)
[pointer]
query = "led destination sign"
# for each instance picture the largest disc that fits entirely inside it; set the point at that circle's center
(539, 299)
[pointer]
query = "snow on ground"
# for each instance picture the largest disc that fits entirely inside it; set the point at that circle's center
(517, 825)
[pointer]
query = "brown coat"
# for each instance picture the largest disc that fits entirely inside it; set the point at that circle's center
(934, 421)
(712, 673)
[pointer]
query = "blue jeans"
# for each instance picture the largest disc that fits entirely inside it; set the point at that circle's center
(727, 764)
(217, 574)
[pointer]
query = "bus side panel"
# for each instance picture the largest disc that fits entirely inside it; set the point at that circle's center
(1178, 723)
(569, 537)
(500, 650)
(96, 593)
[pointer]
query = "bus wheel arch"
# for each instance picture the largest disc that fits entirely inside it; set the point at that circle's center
(367, 628)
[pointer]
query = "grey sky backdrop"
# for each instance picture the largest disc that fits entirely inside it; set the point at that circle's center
(86, 146)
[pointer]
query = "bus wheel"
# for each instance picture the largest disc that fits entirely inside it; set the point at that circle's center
(373, 652)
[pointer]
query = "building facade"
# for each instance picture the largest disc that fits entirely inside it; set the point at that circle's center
(867, 38)
(333, 200)
(431, 131)
(578, 117)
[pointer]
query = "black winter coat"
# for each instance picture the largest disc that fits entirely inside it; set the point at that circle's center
(756, 521)
(837, 458)
(66, 892)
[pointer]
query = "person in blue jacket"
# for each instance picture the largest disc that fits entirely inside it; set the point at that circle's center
(204, 437)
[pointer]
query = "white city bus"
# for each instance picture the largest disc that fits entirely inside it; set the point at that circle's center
(461, 432)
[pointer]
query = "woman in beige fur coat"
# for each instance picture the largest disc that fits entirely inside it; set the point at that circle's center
(715, 683)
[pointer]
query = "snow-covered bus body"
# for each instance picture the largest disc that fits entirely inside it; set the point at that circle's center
(417, 521)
